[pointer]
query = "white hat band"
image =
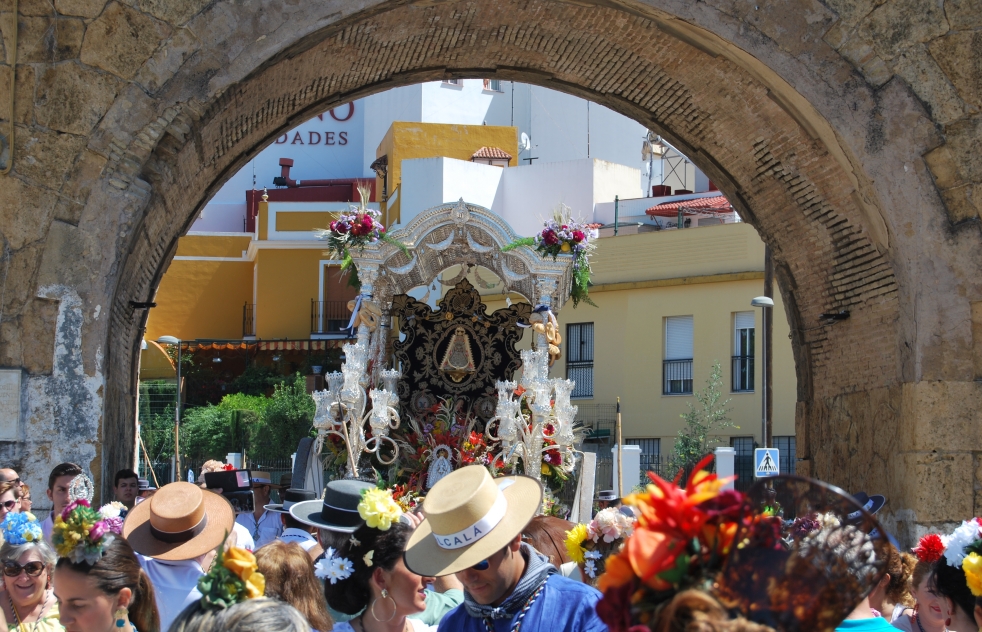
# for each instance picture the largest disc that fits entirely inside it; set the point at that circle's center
(856, 514)
(476, 531)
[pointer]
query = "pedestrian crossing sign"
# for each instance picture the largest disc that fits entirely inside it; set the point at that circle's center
(766, 462)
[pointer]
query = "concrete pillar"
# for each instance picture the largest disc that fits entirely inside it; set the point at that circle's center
(632, 469)
(725, 458)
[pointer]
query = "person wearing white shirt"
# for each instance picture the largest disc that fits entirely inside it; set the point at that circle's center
(264, 526)
(293, 529)
(176, 532)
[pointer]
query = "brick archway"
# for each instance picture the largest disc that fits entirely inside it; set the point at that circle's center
(820, 150)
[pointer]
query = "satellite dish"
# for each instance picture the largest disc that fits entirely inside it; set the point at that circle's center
(525, 143)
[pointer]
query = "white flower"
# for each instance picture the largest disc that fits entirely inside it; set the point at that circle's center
(112, 510)
(955, 543)
(827, 520)
(590, 568)
(334, 569)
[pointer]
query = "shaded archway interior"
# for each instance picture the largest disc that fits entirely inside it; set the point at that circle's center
(782, 177)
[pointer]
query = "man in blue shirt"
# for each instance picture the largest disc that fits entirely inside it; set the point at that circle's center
(473, 529)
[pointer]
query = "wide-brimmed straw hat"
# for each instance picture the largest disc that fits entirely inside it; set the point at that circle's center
(291, 497)
(259, 479)
(470, 517)
(179, 522)
(339, 509)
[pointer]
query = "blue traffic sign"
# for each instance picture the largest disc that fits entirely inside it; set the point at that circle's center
(766, 462)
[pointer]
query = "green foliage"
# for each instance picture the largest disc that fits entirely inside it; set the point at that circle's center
(210, 431)
(518, 243)
(702, 424)
(288, 417)
(255, 380)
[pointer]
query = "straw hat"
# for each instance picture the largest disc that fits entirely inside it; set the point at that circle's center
(179, 522)
(469, 517)
(259, 479)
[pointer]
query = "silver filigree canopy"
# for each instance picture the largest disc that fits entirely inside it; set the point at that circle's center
(463, 233)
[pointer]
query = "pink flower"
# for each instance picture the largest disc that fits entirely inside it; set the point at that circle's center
(71, 506)
(334, 225)
(115, 525)
(578, 236)
(367, 222)
(98, 530)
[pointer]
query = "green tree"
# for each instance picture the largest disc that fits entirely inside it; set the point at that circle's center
(699, 435)
(288, 417)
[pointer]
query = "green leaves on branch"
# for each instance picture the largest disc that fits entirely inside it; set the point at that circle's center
(704, 424)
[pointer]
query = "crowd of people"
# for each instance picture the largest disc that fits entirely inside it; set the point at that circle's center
(474, 556)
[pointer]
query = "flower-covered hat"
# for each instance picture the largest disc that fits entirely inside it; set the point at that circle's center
(21, 528)
(704, 537)
(81, 534)
(962, 549)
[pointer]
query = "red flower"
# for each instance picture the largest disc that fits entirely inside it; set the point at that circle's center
(930, 548)
(228, 467)
(334, 225)
(550, 237)
(578, 236)
(366, 222)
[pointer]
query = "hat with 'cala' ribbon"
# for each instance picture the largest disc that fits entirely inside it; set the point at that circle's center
(470, 517)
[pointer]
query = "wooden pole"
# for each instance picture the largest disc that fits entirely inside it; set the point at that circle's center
(620, 452)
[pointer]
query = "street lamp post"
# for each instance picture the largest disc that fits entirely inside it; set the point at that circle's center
(766, 303)
(176, 471)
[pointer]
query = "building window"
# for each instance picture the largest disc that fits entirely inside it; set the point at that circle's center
(650, 453)
(677, 367)
(579, 358)
(786, 446)
(494, 85)
(743, 461)
(743, 352)
(454, 82)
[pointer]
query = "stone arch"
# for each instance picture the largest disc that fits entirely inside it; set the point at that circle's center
(790, 109)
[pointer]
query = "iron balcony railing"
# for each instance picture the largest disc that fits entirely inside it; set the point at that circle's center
(678, 377)
(328, 317)
(743, 374)
(248, 320)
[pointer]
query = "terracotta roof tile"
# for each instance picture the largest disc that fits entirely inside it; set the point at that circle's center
(713, 204)
(492, 153)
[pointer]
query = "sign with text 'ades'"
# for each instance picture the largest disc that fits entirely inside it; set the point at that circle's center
(766, 462)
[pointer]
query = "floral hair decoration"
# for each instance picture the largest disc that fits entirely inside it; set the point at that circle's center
(963, 548)
(929, 549)
(380, 511)
(588, 544)
(82, 534)
(21, 528)
(234, 577)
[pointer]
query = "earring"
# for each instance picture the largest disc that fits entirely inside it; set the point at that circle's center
(121, 617)
(385, 595)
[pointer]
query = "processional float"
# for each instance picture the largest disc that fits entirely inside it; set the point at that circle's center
(360, 406)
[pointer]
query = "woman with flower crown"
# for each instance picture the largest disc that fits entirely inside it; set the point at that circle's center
(99, 583)
(28, 561)
(957, 572)
(367, 574)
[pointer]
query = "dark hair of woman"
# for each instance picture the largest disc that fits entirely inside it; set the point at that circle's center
(695, 611)
(950, 582)
(119, 569)
(289, 574)
(352, 595)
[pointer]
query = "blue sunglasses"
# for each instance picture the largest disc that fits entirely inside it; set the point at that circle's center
(481, 566)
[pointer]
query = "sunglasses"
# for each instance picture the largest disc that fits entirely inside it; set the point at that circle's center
(8, 505)
(13, 569)
(482, 565)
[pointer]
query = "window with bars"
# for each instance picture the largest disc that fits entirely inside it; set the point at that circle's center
(786, 452)
(579, 358)
(743, 352)
(677, 366)
(743, 461)
(650, 452)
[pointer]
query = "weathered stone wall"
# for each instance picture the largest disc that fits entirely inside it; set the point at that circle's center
(843, 131)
